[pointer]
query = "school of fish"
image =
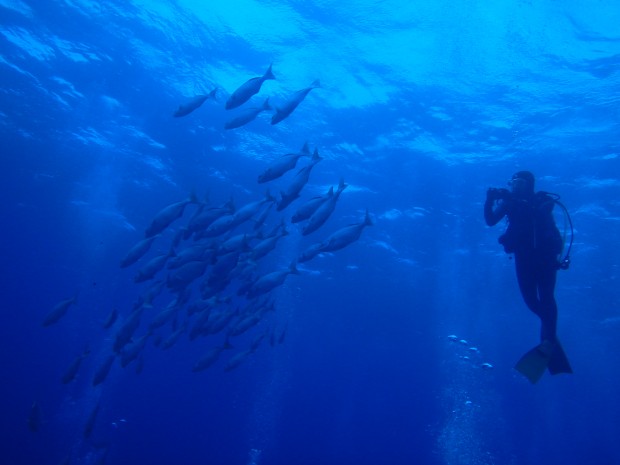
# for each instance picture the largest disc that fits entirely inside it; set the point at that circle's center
(212, 268)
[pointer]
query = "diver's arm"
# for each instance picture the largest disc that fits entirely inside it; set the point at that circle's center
(494, 207)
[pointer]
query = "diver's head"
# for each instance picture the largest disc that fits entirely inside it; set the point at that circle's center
(522, 183)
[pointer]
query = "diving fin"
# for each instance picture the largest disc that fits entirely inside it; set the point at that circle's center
(534, 363)
(559, 362)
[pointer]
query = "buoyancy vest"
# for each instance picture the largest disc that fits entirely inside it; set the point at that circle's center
(531, 226)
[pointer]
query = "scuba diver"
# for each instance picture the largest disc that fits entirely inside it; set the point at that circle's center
(534, 239)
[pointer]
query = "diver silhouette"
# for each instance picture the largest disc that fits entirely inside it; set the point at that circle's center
(534, 239)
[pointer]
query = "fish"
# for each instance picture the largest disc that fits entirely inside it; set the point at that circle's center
(194, 103)
(147, 297)
(260, 220)
(237, 243)
(111, 319)
(181, 277)
(345, 236)
(200, 305)
(248, 211)
(164, 316)
(282, 165)
(102, 372)
(245, 286)
(219, 321)
(257, 341)
(200, 323)
(165, 217)
(174, 337)
(247, 115)
(210, 357)
(213, 286)
(154, 265)
(137, 251)
(59, 310)
(324, 211)
(301, 179)
(131, 352)
(244, 269)
(283, 111)
(237, 359)
(266, 245)
(271, 280)
(244, 324)
(90, 421)
(307, 209)
(198, 252)
(74, 368)
(203, 217)
(310, 253)
(220, 226)
(223, 267)
(124, 334)
(158, 339)
(248, 89)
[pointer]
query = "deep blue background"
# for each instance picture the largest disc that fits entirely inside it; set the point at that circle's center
(422, 108)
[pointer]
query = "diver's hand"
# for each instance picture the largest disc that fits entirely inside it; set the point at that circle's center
(494, 194)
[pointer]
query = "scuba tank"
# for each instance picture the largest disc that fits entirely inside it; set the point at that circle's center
(564, 260)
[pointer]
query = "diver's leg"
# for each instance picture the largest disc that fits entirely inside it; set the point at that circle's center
(537, 284)
(548, 309)
(558, 362)
(526, 277)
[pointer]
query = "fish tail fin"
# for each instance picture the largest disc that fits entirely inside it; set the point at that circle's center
(269, 74)
(305, 150)
(316, 157)
(293, 267)
(207, 200)
(187, 233)
(277, 117)
(367, 219)
(269, 197)
(266, 105)
(193, 198)
(231, 204)
(213, 94)
(315, 84)
(342, 185)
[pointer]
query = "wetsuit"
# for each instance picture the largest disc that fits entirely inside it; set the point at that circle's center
(534, 239)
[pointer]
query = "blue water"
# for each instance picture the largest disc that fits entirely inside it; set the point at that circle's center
(422, 107)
